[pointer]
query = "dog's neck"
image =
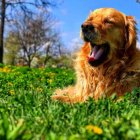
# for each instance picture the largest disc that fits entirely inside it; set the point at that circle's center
(115, 69)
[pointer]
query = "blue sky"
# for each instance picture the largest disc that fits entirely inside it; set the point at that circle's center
(72, 13)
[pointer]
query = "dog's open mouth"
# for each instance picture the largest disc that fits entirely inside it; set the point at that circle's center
(98, 54)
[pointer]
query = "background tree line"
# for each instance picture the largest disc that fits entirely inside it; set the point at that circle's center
(27, 34)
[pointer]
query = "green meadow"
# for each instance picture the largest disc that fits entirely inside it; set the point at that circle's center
(28, 113)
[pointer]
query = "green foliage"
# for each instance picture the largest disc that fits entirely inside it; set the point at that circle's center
(12, 48)
(27, 112)
(62, 61)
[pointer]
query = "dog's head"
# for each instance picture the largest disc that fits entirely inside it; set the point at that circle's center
(110, 34)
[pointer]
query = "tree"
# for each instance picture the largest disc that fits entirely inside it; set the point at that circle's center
(2, 23)
(53, 48)
(11, 48)
(33, 34)
(8, 9)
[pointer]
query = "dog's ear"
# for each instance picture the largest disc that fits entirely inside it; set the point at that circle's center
(131, 35)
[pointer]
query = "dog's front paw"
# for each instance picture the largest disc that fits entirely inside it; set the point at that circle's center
(63, 98)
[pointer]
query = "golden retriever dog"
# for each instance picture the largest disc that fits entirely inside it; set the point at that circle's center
(108, 62)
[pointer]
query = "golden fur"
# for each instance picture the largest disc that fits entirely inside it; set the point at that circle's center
(119, 73)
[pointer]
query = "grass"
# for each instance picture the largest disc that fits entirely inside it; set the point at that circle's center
(28, 113)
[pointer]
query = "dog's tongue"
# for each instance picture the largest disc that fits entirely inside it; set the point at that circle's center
(96, 53)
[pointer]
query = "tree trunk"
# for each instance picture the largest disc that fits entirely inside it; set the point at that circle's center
(29, 61)
(2, 30)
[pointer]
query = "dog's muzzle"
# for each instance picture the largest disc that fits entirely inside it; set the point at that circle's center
(88, 32)
(87, 28)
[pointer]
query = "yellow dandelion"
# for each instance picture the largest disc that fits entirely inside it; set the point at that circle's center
(31, 86)
(39, 89)
(95, 129)
(6, 69)
(10, 84)
(42, 79)
(12, 92)
(50, 81)
(51, 74)
(41, 68)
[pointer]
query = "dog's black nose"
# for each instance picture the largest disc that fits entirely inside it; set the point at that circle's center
(87, 27)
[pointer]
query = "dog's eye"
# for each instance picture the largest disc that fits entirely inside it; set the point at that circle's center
(108, 21)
